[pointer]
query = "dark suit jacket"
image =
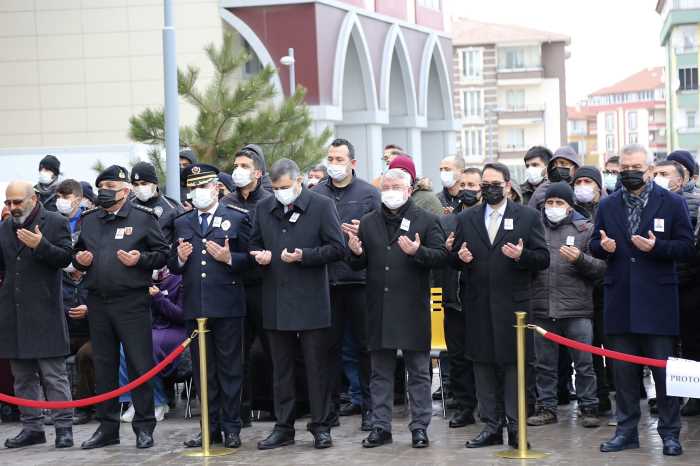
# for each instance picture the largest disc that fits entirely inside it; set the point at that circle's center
(641, 289)
(212, 288)
(32, 322)
(296, 296)
(398, 285)
(493, 285)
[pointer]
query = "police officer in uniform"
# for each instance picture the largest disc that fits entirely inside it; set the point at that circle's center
(119, 246)
(211, 254)
(145, 182)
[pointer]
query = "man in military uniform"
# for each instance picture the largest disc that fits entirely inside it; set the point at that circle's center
(145, 182)
(119, 246)
(211, 254)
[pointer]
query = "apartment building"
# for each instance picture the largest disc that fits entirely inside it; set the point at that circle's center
(509, 89)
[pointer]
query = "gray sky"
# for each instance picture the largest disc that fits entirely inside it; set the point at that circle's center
(610, 39)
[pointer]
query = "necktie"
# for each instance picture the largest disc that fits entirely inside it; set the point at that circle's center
(203, 224)
(493, 225)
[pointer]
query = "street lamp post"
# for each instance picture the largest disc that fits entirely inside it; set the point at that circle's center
(172, 114)
(289, 61)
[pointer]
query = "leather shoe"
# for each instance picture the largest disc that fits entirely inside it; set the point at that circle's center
(64, 437)
(366, 425)
(82, 417)
(462, 418)
(377, 438)
(349, 409)
(26, 438)
(485, 439)
(672, 447)
(619, 443)
(144, 440)
(420, 439)
(196, 441)
(232, 440)
(513, 440)
(100, 439)
(322, 440)
(278, 438)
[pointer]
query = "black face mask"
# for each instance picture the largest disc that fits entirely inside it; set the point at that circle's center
(468, 197)
(493, 194)
(107, 198)
(556, 174)
(632, 180)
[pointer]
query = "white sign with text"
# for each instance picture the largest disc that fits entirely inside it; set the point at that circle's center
(683, 378)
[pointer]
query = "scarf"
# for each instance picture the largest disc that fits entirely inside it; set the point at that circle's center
(393, 220)
(635, 205)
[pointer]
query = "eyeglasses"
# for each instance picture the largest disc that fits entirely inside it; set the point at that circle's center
(13, 202)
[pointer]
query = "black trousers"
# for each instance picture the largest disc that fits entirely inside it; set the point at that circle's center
(224, 371)
(284, 346)
(461, 369)
(627, 378)
(497, 391)
(124, 319)
(348, 308)
(252, 331)
(689, 306)
(601, 372)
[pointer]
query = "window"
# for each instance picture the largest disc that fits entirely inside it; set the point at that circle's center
(472, 104)
(515, 138)
(472, 63)
(690, 119)
(515, 99)
(610, 143)
(688, 79)
(518, 58)
(252, 66)
(632, 121)
(632, 138)
(473, 142)
(432, 4)
(610, 122)
(578, 127)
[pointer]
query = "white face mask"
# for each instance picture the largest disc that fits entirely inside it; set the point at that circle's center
(337, 172)
(555, 214)
(202, 198)
(64, 206)
(663, 182)
(448, 179)
(286, 196)
(610, 181)
(584, 193)
(534, 175)
(242, 176)
(393, 199)
(45, 176)
(145, 192)
(85, 204)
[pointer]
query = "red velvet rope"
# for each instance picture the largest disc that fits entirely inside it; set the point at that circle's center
(104, 396)
(600, 351)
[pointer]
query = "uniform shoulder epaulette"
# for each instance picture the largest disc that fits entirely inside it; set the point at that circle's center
(240, 209)
(144, 209)
(89, 211)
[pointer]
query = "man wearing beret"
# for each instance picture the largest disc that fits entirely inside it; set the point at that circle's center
(211, 253)
(145, 185)
(119, 246)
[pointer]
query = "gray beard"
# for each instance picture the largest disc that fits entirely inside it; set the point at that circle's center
(20, 220)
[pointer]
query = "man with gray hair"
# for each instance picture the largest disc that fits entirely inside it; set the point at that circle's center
(398, 245)
(296, 234)
(35, 245)
(641, 231)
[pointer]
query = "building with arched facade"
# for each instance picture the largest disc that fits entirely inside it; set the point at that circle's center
(377, 72)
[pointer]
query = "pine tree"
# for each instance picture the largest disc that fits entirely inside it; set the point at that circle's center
(230, 117)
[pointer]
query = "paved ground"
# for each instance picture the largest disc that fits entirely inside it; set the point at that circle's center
(568, 444)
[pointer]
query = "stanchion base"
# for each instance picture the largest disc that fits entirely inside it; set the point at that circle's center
(212, 452)
(518, 455)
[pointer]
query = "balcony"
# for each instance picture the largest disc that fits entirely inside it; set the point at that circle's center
(512, 151)
(534, 74)
(531, 113)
